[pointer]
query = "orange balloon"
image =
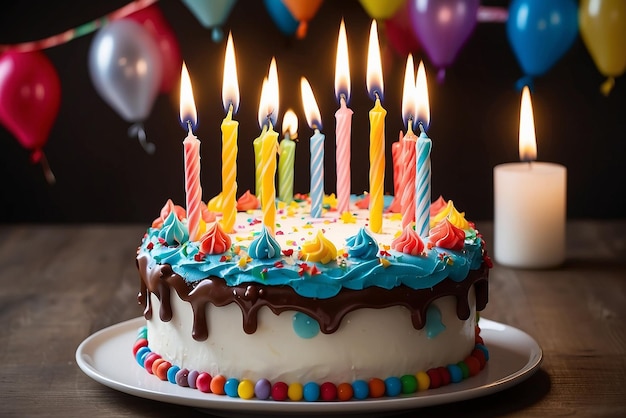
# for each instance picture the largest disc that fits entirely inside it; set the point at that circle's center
(304, 11)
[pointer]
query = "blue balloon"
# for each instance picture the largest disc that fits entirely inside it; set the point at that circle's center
(540, 32)
(281, 16)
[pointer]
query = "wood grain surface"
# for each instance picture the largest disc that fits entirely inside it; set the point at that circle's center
(61, 283)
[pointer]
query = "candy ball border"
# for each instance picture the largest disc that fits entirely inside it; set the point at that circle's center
(263, 389)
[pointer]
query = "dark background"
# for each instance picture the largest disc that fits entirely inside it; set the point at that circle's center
(105, 176)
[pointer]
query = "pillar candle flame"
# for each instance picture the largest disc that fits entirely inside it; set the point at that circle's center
(527, 138)
(188, 115)
(230, 83)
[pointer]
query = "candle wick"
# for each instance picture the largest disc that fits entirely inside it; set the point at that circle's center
(189, 125)
(421, 126)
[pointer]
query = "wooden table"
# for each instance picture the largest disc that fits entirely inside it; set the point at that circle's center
(61, 283)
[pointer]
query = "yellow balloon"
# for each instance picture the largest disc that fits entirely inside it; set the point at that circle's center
(381, 9)
(602, 25)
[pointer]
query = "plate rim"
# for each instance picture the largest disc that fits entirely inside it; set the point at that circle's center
(97, 341)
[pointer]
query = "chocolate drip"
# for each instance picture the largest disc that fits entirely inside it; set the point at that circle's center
(251, 297)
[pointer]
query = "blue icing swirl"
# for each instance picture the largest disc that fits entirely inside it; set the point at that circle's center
(264, 246)
(362, 245)
(173, 230)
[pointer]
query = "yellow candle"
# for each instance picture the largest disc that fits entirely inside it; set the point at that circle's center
(230, 100)
(268, 110)
(377, 133)
(269, 148)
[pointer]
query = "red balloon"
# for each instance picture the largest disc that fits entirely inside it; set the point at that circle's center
(30, 97)
(155, 23)
(400, 32)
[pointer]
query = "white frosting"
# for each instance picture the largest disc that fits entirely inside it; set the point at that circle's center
(369, 343)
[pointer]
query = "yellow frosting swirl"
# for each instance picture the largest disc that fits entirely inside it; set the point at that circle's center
(319, 249)
(455, 217)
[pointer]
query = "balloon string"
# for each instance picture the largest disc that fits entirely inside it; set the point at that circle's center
(79, 31)
(47, 172)
(137, 130)
(607, 86)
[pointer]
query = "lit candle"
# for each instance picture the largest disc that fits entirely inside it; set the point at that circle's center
(191, 145)
(287, 156)
(269, 147)
(529, 204)
(314, 120)
(408, 147)
(344, 121)
(424, 144)
(230, 100)
(377, 133)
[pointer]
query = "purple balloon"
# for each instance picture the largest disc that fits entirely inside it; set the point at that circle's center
(443, 26)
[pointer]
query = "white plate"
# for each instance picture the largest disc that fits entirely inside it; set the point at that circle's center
(106, 357)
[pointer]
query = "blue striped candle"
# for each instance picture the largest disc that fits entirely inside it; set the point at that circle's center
(422, 184)
(317, 173)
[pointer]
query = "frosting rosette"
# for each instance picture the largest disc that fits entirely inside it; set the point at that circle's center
(173, 231)
(264, 246)
(408, 242)
(247, 201)
(319, 249)
(454, 216)
(446, 235)
(168, 208)
(215, 240)
(362, 245)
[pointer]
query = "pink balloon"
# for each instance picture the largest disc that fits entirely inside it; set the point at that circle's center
(400, 33)
(152, 19)
(442, 27)
(30, 97)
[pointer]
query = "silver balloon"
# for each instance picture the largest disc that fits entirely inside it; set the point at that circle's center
(126, 68)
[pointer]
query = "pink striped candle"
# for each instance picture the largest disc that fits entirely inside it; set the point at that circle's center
(409, 110)
(191, 145)
(343, 130)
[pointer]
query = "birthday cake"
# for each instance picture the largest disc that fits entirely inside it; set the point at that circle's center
(318, 309)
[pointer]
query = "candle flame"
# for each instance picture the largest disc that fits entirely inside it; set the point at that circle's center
(311, 111)
(374, 66)
(527, 138)
(342, 66)
(409, 99)
(422, 102)
(230, 84)
(268, 106)
(290, 124)
(188, 115)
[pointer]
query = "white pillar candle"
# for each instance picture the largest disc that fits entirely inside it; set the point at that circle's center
(529, 204)
(529, 214)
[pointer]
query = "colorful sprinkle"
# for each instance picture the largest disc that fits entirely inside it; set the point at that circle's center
(263, 389)
(393, 386)
(203, 382)
(295, 391)
(311, 392)
(217, 384)
(279, 391)
(328, 391)
(230, 387)
(245, 389)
